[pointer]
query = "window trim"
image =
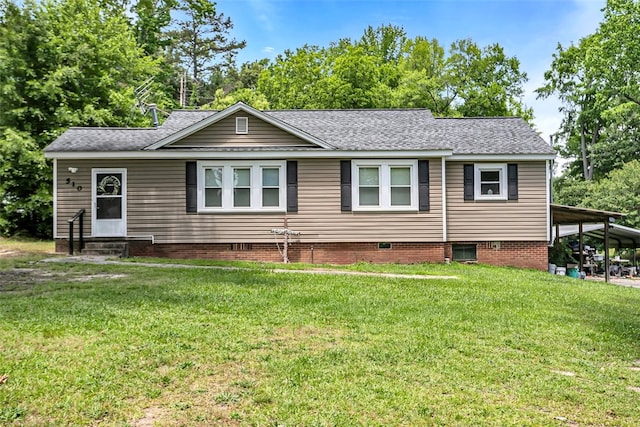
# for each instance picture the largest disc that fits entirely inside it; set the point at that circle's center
(242, 125)
(481, 167)
(384, 185)
(255, 188)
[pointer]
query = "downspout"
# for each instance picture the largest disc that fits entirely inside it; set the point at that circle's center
(444, 200)
(549, 193)
(55, 198)
(549, 177)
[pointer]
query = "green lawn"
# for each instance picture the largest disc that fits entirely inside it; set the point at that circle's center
(133, 345)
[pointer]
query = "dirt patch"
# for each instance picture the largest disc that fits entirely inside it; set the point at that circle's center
(8, 253)
(564, 373)
(151, 415)
(18, 279)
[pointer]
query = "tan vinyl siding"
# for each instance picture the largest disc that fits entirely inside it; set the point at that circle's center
(156, 207)
(522, 219)
(73, 196)
(320, 219)
(223, 134)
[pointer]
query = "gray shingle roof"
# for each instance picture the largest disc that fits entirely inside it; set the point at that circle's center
(401, 129)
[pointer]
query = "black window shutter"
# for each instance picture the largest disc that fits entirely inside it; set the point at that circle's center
(292, 186)
(512, 180)
(192, 187)
(345, 185)
(423, 185)
(468, 182)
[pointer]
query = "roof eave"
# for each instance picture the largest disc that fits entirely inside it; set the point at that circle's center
(502, 156)
(235, 154)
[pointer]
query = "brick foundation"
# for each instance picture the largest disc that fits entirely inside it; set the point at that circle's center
(523, 254)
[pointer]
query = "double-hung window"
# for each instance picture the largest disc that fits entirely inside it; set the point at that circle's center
(490, 181)
(385, 185)
(241, 186)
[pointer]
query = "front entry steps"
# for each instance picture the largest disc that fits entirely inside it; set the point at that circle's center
(104, 248)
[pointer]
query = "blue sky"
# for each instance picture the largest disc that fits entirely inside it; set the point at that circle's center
(527, 29)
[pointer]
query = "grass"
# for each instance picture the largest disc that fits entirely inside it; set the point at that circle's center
(20, 246)
(134, 345)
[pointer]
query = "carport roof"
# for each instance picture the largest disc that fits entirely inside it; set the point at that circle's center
(626, 237)
(562, 214)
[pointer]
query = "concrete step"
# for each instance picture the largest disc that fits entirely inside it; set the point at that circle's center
(120, 249)
(105, 245)
(102, 252)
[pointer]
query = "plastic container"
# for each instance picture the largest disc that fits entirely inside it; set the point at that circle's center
(573, 272)
(561, 271)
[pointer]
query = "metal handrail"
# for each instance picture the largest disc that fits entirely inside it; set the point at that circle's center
(80, 217)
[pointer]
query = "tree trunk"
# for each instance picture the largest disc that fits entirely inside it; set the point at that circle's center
(587, 167)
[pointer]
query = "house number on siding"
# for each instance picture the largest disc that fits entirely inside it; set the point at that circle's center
(73, 184)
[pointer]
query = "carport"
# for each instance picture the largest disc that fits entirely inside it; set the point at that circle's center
(571, 215)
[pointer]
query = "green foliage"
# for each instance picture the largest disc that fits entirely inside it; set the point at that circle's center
(620, 192)
(62, 63)
(25, 186)
(560, 253)
(597, 80)
(386, 69)
(571, 191)
(248, 96)
(153, 16)
(202, 36)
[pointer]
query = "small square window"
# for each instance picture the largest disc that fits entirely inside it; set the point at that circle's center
(490, 181)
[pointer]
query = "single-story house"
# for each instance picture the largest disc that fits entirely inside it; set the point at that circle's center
(392, 185)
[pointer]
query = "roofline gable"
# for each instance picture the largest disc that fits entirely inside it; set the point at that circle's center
(240, 106)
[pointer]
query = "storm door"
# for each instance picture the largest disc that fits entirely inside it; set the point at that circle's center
(109, 218)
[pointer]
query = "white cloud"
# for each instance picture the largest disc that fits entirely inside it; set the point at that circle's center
(264, 13)
(268, 50)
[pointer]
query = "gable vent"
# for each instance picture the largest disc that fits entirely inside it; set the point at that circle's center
(242, 125)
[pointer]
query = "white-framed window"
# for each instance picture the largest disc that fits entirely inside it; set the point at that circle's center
(385, 185)
(242, 125)
(241, 186)
(490, 181)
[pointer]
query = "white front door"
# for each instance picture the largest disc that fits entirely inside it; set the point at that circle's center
(109, 194)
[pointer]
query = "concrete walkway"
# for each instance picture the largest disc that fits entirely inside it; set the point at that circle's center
(322, 271)
(620, 281)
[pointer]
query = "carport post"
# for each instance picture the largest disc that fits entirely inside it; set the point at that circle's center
(581, 246)
(606, 250)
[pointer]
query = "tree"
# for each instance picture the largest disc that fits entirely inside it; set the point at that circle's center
(421, 84)
(576, 85)
(598, 82)
(248, 96)
(290, 82)
(200, 38)
(152, 17)
(619, 191)
(385, 69)
(25, 186)
(484, 81)
(62, 63)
